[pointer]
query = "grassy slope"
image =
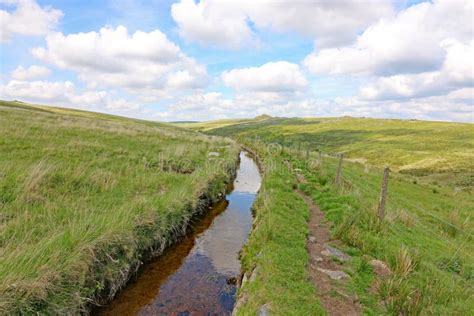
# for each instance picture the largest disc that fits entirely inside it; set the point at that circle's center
(83, 196)
(442, 152)
(428, 225)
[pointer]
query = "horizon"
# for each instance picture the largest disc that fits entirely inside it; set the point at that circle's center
(204, 60)
(242, 118)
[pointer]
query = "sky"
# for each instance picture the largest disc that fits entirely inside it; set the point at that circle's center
(208, 59)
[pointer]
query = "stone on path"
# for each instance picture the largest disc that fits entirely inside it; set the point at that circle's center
(335, 275)
(333, 252)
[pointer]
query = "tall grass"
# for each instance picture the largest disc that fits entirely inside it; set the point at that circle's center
(85, 198)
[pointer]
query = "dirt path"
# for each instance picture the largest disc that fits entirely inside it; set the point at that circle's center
(331, 291)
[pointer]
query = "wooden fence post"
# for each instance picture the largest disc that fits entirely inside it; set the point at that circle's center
(383, 194)
(339, 170)
(320, 157)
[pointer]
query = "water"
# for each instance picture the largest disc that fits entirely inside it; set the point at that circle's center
(193, 276)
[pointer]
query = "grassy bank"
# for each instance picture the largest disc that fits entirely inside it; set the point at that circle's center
(434, 152)
(84, 197)
(275, 260)
(425, 237)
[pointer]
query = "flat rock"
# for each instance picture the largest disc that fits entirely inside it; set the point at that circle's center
(312, 239)
(213, 154)
(380, 268)
(318, 259)
(335, 275)
(330, 251)
(264, 310)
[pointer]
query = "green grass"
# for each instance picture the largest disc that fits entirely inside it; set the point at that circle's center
(419, 221)
(275, 251)
(426, 236)
(434, 152)
(85, 197)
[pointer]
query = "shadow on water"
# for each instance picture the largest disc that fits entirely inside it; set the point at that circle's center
(191, 277)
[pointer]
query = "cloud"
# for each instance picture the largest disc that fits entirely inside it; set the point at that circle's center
(113, 58)
(212, 23)
(32, 72)
(409, 42)
(271, 77)
(455, 106)
(330, 23)
(457, 72)
(63, 93)
(28, 18)
(215, 105)
(230, 24)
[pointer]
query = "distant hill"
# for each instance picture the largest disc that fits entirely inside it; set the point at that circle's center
(263, 117)
(436, 151)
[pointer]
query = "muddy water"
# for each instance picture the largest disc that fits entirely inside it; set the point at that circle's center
(192, 277)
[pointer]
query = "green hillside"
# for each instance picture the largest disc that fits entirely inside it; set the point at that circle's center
(435, 152)
(85, 197)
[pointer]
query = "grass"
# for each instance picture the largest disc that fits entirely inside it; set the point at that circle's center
(433, 152)
(413, 238)
(425, 238)
(86, 197)
(275, 253)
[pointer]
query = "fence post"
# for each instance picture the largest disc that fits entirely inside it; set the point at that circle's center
(339, 170)
(383, 194)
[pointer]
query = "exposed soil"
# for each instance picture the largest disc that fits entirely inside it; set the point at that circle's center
(331, 292)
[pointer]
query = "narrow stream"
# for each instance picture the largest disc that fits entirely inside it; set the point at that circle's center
(191, 277)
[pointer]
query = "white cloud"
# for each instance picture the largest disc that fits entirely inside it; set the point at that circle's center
(457, 72)
(111, 57)
(63, 93)
(32, 72)
(410, 42)
(28, 18)
(330, 23)
(455, 106)
(217, 23)
(273, 77)
(228, 23)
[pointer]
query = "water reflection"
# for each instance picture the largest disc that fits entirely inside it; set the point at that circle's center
(191, 277)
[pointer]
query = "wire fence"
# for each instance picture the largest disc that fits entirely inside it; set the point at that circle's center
(335, 163)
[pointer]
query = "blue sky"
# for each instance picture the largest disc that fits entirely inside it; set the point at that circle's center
(208, 59)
